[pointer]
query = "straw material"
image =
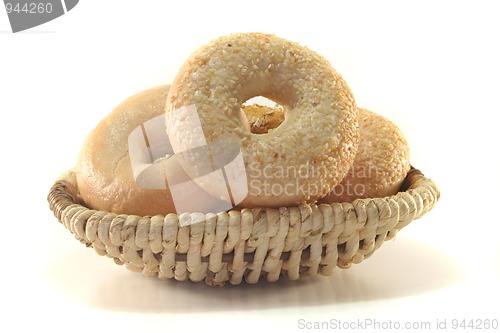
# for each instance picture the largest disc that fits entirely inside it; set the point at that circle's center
(248, 244)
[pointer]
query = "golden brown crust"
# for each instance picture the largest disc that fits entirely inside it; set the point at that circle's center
(104, 173)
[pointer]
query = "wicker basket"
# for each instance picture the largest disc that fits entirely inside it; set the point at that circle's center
(247, 244)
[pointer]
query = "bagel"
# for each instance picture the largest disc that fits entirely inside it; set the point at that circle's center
(293, 164)
(381, 164)
(104, 174)
(113, 178)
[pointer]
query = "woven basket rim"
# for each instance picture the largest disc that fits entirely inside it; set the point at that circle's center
(315, 238)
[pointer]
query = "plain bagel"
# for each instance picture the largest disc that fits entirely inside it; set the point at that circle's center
(296, 162)
(105, 170)
(104, 173)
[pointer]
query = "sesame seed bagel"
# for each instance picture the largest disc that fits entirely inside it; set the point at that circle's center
(295, 163)
(381, 164)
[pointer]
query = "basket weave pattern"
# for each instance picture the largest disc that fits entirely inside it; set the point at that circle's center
(248, 244)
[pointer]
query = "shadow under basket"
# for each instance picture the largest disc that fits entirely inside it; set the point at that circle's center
(248, 244)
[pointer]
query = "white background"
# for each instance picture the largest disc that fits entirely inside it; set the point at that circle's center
(431, 67)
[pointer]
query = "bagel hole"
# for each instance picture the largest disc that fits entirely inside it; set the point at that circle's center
(263, 114)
